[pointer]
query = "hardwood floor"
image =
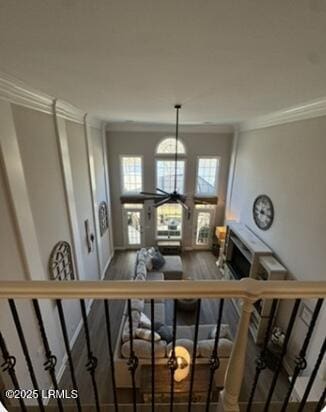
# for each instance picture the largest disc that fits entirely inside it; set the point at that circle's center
(197, 265)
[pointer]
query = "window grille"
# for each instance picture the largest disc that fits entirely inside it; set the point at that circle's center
(60, 262)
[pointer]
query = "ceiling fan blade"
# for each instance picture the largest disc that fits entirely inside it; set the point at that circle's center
(202, 202)
(186, 207)
(162, 202)
(163, 191)
(152, 198)
(158, 195)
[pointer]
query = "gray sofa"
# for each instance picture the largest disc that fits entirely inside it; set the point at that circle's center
(184, 335)
(171, 270)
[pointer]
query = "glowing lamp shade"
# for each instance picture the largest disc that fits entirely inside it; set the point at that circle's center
(183, 363)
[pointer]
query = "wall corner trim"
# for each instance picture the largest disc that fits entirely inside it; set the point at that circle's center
(308, 110)
(17, 92)
(69, 112)
(93, 121)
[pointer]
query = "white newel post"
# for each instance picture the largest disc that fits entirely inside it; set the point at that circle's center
(233, 379)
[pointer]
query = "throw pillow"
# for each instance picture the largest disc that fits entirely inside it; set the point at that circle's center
(158, 260)
(151, 251)
(224, 332)
(125, 333)
(165, 333)
(148, 262)
(140, 277)
(144, 322)
(142, 255)
(157, 325)
(141, 269)
(135, 315)
(137, 304)
(146, 334)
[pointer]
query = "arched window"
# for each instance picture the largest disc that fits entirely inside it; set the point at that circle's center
(167, 146)
(165, 165)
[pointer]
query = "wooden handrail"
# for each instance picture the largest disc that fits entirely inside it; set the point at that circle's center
(245, 289)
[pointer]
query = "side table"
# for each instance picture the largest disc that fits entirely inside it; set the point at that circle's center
(181, 389)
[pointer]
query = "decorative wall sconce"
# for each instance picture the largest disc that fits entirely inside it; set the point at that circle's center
(149, 212)
(89, 236)
(60, 265)
(103, 217)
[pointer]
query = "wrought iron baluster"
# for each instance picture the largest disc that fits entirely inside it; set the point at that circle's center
(194, 353)
(214, 362)
(68, 351)
(133, 360)
(24, 346)
(108, 329)
(172, 362)
(153, 355)
(51, 360)
(92, 360)
(312, 377)
(321, 402)
(9, 366)
(301, 362)
(283, 353)
(261, 360)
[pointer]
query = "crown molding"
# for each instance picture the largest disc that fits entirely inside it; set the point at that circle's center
(129, 126)
(68, 111)
(17, 92)
(309, 110)
(93, 121)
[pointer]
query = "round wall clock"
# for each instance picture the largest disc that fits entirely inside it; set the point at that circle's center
(263, 212)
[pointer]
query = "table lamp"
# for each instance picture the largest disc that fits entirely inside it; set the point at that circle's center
(182, 362)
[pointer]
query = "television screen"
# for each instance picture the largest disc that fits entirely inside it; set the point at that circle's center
(239, 264)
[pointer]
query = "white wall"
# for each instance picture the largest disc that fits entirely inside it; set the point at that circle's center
(40, 157)
(101, 192)
(37, 167)
(39, 152)
(12, 264)
(145, 143)
(287, 162)
(12, 268)
(82, 193)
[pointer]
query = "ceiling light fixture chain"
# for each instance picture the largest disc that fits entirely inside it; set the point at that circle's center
(177, 107)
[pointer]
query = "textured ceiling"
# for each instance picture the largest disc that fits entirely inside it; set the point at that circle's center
(224, 60)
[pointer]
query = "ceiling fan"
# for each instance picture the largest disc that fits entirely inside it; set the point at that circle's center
(173, 197)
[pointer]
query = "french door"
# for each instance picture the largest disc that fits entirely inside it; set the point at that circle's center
(133, 224)
(203, 225)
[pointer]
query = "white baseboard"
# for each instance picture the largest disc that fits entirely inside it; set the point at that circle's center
(106, 266)
(120, 248)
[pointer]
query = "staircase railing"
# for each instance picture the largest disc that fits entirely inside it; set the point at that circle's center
(247, 290)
